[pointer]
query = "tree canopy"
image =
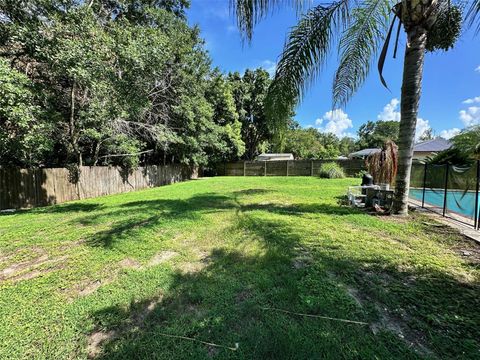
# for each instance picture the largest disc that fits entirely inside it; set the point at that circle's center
(115, 82)
(373, 134)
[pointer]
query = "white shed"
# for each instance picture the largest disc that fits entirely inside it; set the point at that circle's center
(274, 157)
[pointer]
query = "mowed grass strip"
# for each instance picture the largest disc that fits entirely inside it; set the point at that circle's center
(211, 259)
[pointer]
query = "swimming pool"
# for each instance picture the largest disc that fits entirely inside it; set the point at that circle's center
(458, 202)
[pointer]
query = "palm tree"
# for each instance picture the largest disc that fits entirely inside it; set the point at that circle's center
(359, 28)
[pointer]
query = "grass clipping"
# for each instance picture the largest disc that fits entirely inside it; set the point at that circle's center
(316, 316)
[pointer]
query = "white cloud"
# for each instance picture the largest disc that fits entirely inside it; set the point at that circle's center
(390, 112)
(422, 126)
(477, 69)
(231, 29)
(474, 100)
(217, 10)
(449, 133)
(470, 116)
(335, 122)
(270, 66)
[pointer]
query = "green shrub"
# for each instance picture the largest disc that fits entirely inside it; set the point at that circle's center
(361, 173)
(331, 170)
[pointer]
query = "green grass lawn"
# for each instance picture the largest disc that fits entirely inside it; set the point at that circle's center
(208, 259)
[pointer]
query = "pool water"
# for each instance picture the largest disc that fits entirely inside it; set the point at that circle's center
(458, 201)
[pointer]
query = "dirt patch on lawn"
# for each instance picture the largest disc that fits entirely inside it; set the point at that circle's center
(137, 319)
(468, 251)
(88, 287)
(31, 252)
(157, 259)
(386, 319)
(95, 341)
(355, 295)
(192, 267)
(129, 263)
(33, 268)
(415, 339)
(162, 257)
(72, 245)
(18, 267)
(139, 316)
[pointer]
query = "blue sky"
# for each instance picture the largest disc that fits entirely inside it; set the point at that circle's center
(451, 86)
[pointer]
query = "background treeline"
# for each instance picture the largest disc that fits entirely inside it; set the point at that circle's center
(311, 144)
(129, 82)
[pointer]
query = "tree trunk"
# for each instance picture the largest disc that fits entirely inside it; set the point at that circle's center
(96, 153)
(411, 90)
(73, 129)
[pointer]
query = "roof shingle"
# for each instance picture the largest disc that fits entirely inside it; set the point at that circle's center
(435, 145)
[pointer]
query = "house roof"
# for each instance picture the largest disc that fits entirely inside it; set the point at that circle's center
(435, 145)
(364, 152)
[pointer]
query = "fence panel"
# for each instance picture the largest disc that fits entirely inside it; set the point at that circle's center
(276, 168)
(300, 168)
(447, 189)
(461, 194)
(417, 179)
(351, 167)
(254, 168)
(25, 188)
(235, 169)
(435, 181)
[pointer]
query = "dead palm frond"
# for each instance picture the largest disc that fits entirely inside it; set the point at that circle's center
(383, 164)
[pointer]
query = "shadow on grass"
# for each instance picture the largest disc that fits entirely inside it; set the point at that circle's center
(58, 209)
(72, 207)
(300, 209)
(131, 217)
(418, 314)
(223, 303)
(248, 192)
(135, 216)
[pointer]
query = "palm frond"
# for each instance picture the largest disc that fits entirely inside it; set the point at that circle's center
(358, 46)
(303, 56)
(249, 12)
(473, 15)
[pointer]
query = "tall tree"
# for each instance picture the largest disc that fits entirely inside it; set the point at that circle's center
(311, 144)
(373, 134)
(219, 94)
(249, 92)
(359, 28)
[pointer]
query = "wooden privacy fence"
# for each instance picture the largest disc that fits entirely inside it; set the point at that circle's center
(286, 168)
(25, 188)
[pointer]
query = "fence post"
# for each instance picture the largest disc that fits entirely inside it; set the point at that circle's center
(445, 194)
(244, 167)
(264, 168)
(287, 167)
(424, 184)
(311, 168)
(476, 195)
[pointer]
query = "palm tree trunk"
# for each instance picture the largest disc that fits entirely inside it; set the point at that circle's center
(411, 89)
